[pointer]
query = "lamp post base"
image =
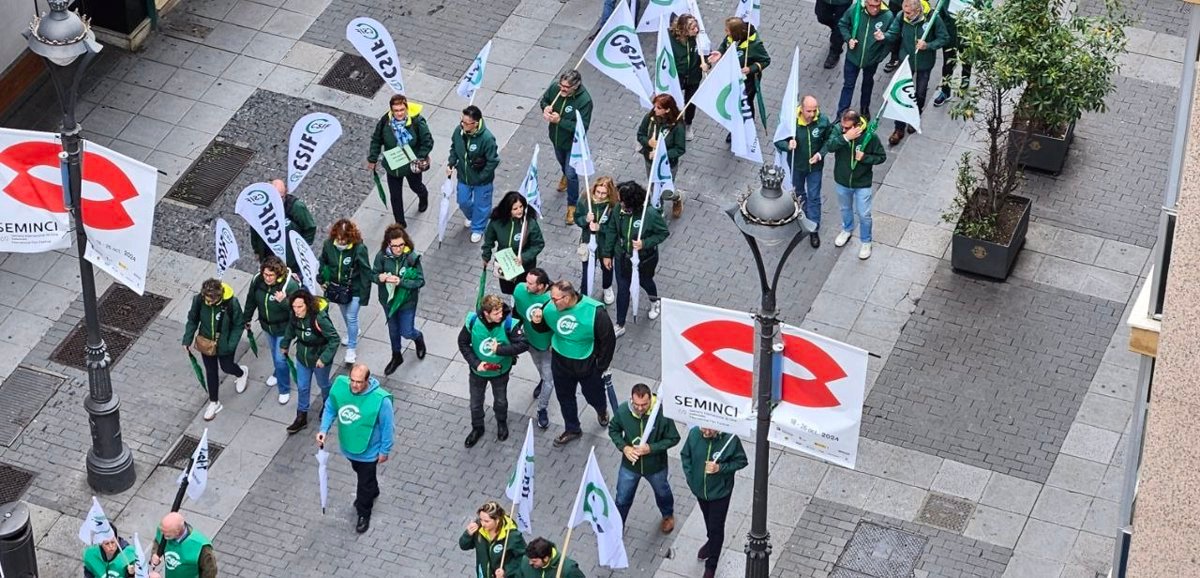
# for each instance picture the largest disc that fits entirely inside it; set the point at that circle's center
(113, 472)
(758, 556)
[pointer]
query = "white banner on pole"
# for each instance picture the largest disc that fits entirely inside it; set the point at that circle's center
(749, 11)
(581, 153)
(95, 527)
(722, 96)
(198, 474)
(529, 185)
(791, 101)
(657, 9)
(594, 503)
(312, 136)
(375, 44)
(33, 215)
(617, 52)
(901, 97)
(666, 76)
(472, 79)
(703, 44)
(226, 247)
(262, 207)
(305, 259)
(520, 484)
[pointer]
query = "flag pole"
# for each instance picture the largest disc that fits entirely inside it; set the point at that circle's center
(562, 559)
(504, 552)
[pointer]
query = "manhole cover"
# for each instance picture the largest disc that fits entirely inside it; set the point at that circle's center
(121, 308)
(210, 174)
(946, 512)
(353, 74)
(72, 353)
(881, 552)
(839, 572)
(182, 452)
(22, 396)
(13, 483)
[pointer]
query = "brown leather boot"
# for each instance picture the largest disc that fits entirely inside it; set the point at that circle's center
(562, 184)
(668, 525)
(897, 136)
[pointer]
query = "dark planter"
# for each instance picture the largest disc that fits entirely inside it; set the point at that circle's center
(989, 259)
(1042, 152)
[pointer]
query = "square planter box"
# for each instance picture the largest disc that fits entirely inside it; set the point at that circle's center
(1044, 153)
(989, 259)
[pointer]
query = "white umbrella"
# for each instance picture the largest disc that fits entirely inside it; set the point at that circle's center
(591, 265)
(323, 476)
(444, 210)
(635, 282)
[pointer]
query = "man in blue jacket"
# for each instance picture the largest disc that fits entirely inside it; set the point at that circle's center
(364, 416)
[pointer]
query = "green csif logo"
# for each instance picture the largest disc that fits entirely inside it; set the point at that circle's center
(317, 126)
(903, 93)
(666, 68)
(623, 39)
(588, 508)
(366, 31)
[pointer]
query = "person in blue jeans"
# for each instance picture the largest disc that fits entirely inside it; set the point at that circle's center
(268, 295)
(864, 27)
(316, 344)
(344, 274)
(561, 101)
(474, 155)
(855, 156)
(806, 161)
(644, 453)
(397, 272)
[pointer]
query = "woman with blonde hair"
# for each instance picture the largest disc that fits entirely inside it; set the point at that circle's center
(494, 536)
(345, 276)
(603, 205)
(688, 62)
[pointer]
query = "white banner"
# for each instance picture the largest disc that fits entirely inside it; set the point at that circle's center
(374, 43)
(722, 96)
(305, 259)
(900, 98)
(581, 153)
(657, 9)
(750, 11)
(472, 79)
(529, 185)
(703, 44)
(312, 136)
(226, 247)
(666, 76)
(33, 214)
(660, 172)
(95, 527)
(262, 207)
(520, 484)
(198, 474)
(707, 356)
(595, 504)
(791, 101)
(617, 52)
(142, 566)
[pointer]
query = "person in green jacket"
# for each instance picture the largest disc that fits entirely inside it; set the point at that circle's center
(635, 227)
(112, 557)
(689, 63)
(474, 155)
(513, 225)
(398, 273)
(919, 35)
(405, 129)
(710, 459)
(296, 217)
(498, 545)
(751, 53)
(316, 344)
(864, 26)
(542, 560)
(344, 274)
(853, 172)
(188, 552)
(643, 456)
(662, 122)
(559, 104)
(214, 326)
(267, 294)
(805, 159)
(591, 224)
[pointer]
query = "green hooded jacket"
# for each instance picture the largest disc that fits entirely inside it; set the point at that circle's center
(625, 429)
(315, 336)
(506, 233)
(868, 51)
(601, 213)
(848, 172)
(697, 450)
(757, 60)
(489, 549)
(570, 567)
(296, 217)
(386, 262)
(676, 139)
(273, 315)
(222, 322)
(384, 138)
(810, 139)
(350, 266)
(563, 132)
(907, 33)
(466, 149)
(621, 230)
(687, 62)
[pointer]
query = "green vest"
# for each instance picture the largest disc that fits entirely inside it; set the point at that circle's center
(574, 334)
(93, 561)
(182, 559)
(525, 302)
(356, 414)
(485, 341)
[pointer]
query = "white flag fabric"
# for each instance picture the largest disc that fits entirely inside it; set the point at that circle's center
(791, 101)
(956, 6)
(657, 409)
(448, 188)
(226, 247)
(323, 476)
(900, 98)
(660, 172)
(703, 44)
(666, 75)
(198, 473)
(595, 504)
(142, 565)
(617, 52)
(781, 161)
(529, 185)
(95, 527)
(660, 9)
(262, 207)
(520, 484)
(472, 79)
(375, 44)
(305, 259)
(581, 153)
(722, 97)
(750, 11)
(311, 137)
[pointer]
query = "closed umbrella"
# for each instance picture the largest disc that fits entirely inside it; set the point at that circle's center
(323, 476)
(444, 209)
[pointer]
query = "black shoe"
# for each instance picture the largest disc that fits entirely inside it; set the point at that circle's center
(473, 437)
(364, 522)
(911, 130)
(543, 420)
(566, 437)
(729, 139)
(537, 391)
(891, 66)
(501, 432)
(397, 361)
(831, 59)
(421, 351)
(942, 97)
(300, 423)
(422, 204)
(703, 553)
(815, 240)
(602, 419)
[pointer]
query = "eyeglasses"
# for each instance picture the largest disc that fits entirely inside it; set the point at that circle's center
(396, 245)
(557, 299)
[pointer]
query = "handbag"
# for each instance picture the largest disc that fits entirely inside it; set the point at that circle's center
(583, 252)
(205, 345)
(338, 293)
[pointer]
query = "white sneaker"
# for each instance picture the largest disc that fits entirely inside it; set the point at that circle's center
(619, 330)
(842, 238)
(864, 252)
(688, 132)
(240, 384)
(476, 237)
(610, 296)
(272, 382)
(345, 340)
(212, 409)
(655, 309)
(284, 398)
(351, 356)
(467, 223)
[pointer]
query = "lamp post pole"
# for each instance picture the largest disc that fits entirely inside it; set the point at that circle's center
(67, 44)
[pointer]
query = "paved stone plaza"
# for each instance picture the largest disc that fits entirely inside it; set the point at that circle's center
(993, 436)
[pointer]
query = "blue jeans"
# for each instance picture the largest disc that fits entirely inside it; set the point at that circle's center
(403, 325)
(856, 201)
(627, 485)
(350, 316)
(283, 379)
(475, 202)
(563, 155)
(304, 377)
(850, 73)
(808, 190)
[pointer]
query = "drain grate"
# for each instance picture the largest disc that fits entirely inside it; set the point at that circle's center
(880, 552)
(72, 352)
(946, 512)
(22, 396)
(353, 74)
(210, 174)
(124, 315)
(13, 483)
(178, 456)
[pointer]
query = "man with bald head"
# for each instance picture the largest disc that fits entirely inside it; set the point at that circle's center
(296, 218)
(805, 160)
(363, 411)
(185, 552)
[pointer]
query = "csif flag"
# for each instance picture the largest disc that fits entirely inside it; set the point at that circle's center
(900, 102)
(375, 44)
(529, 185)
(226, 247)
(142, 564)
(787, 109)
(657, 9)
(311, 137)
(703, 44)
(262, 208)
(660, 172)
(520, 484)
(197, 474)
(581, 153)
(722, 96)
(617, 52)
(95, 527)
(749, 11)
(595, 504)
(666, 76)
(472, 79)
(305, 259)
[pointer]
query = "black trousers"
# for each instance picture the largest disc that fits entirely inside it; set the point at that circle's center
(714, 512)
(213, 379)
(565, 386)
(368, 486)
(478, 385)
(949, 60)
(688, 92)
(829, 14)
(396, 191)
